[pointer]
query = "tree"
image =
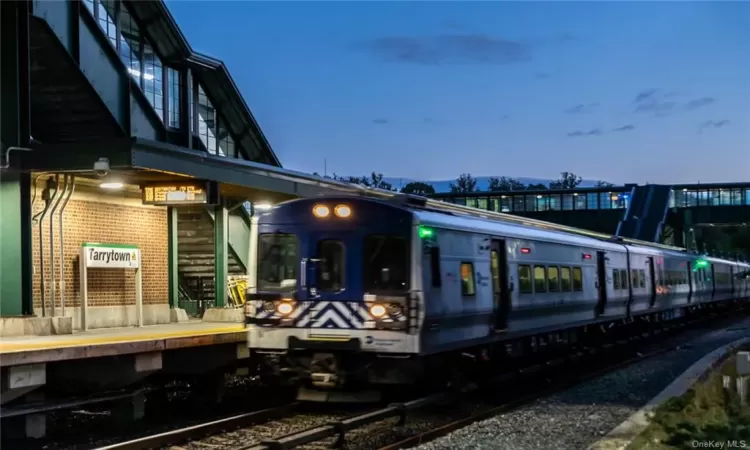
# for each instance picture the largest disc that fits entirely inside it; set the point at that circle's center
(536, 187)
(505, 184)
(376, 181)
(567, 180)
(464, 183)
(601, 183)
(418, 188)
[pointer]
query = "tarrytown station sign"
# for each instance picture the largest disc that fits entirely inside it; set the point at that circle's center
(111, 256)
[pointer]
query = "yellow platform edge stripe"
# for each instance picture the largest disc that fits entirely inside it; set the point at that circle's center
(103, 340)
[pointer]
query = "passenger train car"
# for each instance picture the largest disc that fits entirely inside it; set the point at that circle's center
(353, 291)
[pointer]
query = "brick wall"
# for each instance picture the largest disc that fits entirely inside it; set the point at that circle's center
(95, 217)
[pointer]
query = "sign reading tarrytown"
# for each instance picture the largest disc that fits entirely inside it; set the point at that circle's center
(111, 256)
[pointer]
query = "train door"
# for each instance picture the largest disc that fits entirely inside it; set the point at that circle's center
(601, 282)
(500, 291)
(325, 279)
(652, 275)
(690, 280)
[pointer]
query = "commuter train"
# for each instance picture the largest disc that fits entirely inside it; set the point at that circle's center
(355, 291)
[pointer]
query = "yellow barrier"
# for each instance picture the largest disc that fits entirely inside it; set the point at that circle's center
(237, 287)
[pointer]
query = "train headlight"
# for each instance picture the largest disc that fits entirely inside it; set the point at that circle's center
(321, 211)
(284, 308)
(377, 311)
(342, 211)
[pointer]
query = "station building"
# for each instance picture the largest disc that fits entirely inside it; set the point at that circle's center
(116, 134)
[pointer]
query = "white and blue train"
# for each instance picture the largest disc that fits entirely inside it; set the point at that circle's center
(350, 291)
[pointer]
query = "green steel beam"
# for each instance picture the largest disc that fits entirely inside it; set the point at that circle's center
(221, 249)
(172, 257)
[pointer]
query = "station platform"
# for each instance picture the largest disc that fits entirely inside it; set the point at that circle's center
(117, 341)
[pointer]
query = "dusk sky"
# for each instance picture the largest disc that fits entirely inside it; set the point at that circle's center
(623, 92)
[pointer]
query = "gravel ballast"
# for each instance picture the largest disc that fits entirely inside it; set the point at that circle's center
(580, 416)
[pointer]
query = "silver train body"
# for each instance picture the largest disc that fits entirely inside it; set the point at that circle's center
(473, 279)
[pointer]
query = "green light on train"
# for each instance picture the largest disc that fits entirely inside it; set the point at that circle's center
(425, 232)
(701, 264)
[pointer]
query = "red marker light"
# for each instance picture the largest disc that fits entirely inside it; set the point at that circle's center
(586, 255)
(525, 250)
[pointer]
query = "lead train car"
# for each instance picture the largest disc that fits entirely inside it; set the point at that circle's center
(349, 291)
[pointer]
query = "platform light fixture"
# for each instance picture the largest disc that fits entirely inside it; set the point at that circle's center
(112, 185)
(263, 206)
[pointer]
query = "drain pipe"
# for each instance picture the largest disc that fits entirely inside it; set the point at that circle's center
(47, 201)
(59, 195)
(62, 244)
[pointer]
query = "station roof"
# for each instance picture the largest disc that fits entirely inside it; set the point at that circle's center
(171, 43)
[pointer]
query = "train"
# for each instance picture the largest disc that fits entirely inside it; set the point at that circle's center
(351, 293)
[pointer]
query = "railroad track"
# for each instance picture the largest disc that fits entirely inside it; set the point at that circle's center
(286, 427)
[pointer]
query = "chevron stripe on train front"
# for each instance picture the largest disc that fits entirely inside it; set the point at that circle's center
(327, 314)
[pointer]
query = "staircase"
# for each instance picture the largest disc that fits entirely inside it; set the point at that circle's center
(195, 247)
(646, 213)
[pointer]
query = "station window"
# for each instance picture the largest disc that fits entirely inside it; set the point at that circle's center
(206, 122)
(565, 279)
(153, 82)
(130, 44)
(468, 286)
(106, 16)
(226, 143)
(540, 279)
(580, 202)
(174, 82)
(277, 262)
(577, 279)
(331, 267)
(553, 279)
(524, 279)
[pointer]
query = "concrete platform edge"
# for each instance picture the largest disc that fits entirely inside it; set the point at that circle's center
(625, 433)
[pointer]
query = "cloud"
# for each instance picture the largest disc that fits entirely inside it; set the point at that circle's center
(653, 101)
(473, 48)
(580, 133)
(713, 124)
(628, 127)
(582, 108)
(380, 121)
(699, 102)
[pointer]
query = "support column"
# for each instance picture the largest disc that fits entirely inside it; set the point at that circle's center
(221, 249)
(15, 190)
(173, 258)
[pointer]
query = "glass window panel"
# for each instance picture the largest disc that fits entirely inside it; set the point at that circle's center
(592, 202)
(89, 5)
(605, 200)
(130, 44)
(567, 202)
(714, 197)
(471, 202)
(174, 83)
(107, 20)
(531, 203)
(482, 203)
(518, 203)
(736, 196)
(468, 287)
(542, 203)
(565, 279)
(226, 143)
(580, 203)
(540, 279)
(505, 204)
(553, 279)
(207, 123)
(152, 80)
(725, 197)
(703, 198)
(747, 196)
(691, 198)
(577, 279)
(677, 199)
(495, 204)
(524, 279)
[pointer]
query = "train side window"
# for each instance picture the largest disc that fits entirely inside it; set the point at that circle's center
(435, 267)
(468, 285)
(577, 279)
(616, 279)
(642, 278)
(634, 278)
(624, 278)
(540, 279)
(553, 279)
(565, 279)
(524, 279)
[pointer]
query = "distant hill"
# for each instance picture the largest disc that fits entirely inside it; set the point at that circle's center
(482, 182)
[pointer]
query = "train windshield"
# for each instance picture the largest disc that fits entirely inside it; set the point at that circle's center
(277, 263)
(386, 264)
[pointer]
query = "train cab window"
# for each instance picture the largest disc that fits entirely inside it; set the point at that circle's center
(386, 264)
(623, 278)
(553, 279)
(565, 284)
(616, 279)
(468, 286)
(278, 256)
(641, 278)
(331, 266)
(524, 279)
(577, 279)
(540, 279)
